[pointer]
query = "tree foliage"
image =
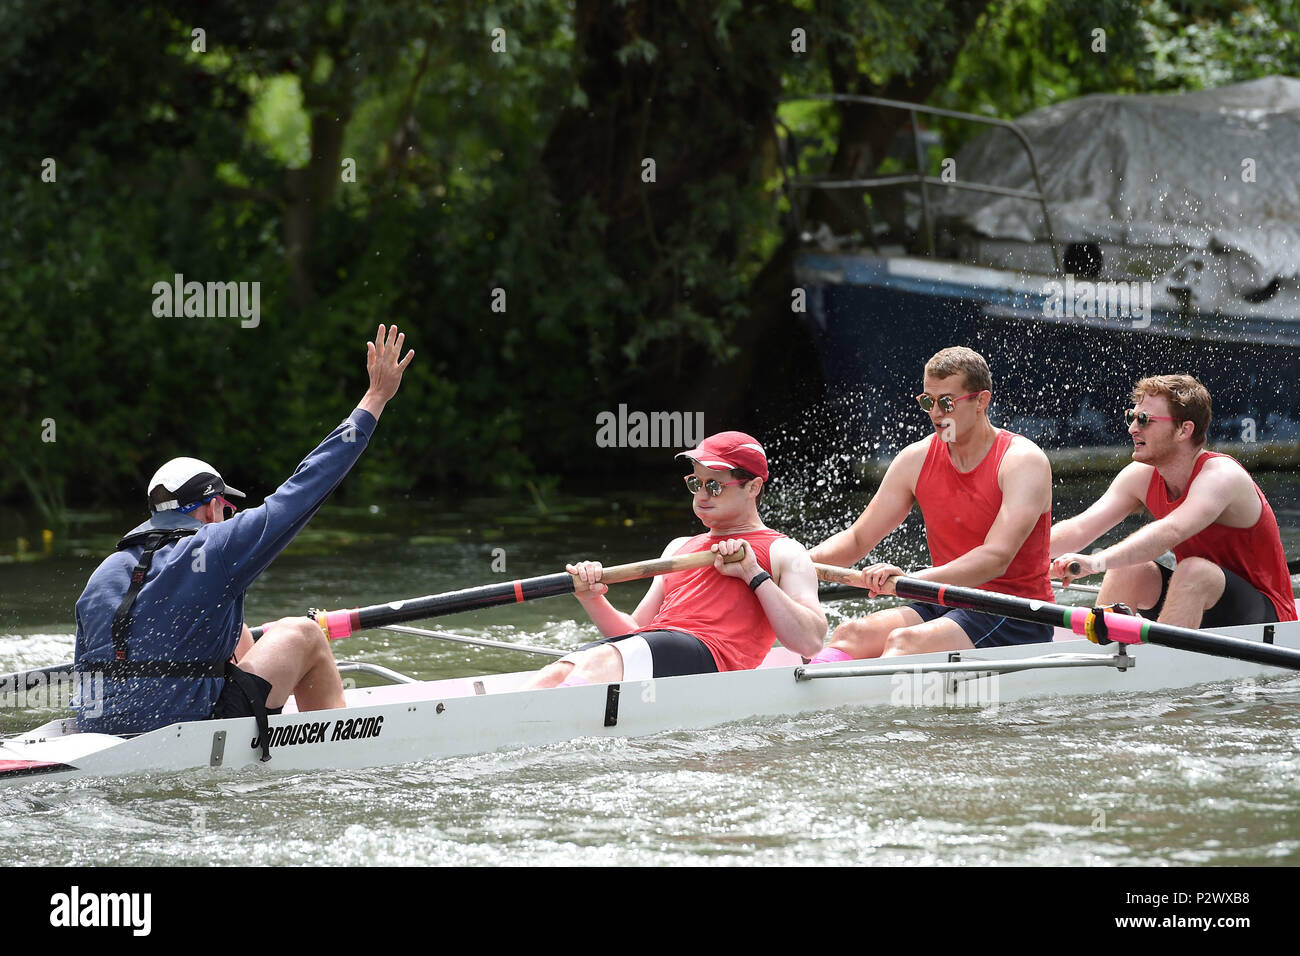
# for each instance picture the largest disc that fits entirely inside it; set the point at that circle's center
(495, 147)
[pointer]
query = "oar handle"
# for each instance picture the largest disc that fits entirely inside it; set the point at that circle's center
(648, 569)
(833, 575)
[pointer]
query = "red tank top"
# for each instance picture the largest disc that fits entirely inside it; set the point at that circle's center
(959, 508)
(721, 611)
(1254, 553)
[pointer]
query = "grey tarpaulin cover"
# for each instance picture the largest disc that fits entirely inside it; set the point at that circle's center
(1151, 170)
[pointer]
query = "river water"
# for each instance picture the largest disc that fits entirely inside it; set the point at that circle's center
(1204, 775)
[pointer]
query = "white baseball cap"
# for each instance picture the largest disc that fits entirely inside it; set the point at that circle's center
(190, 481)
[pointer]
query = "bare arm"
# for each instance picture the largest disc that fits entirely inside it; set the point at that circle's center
(790, 599)
(887, 509)
(609, 619)
(1123, 498)
(1214, 490)
(1025, 477)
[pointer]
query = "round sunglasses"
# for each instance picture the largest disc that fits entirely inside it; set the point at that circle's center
(1143, 419)
(712, 485)
(945, 402)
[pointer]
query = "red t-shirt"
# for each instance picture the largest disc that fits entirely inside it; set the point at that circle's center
(1254, 553)
(721, 611)
(959, 508)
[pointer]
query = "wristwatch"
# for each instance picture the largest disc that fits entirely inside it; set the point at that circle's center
(758, 579)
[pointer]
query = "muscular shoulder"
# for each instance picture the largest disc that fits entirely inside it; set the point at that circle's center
(1134, 477)
(1228, 468)
(788, 553)
(1022, 451)
(1026, 462)
(911, 459)
(674, 546)
(1227, 474)
(916, 451)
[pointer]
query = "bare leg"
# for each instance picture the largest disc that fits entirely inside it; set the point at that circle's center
(600, 665)
(1195, 587)
(941, 634)
(1137, 585)
(295, 658)
(549, 676)
(865, 637)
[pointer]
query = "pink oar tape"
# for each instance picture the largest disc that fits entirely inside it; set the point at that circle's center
(1119, 627)
(339, 624)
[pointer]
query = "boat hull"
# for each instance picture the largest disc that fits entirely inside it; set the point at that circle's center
(408, 723)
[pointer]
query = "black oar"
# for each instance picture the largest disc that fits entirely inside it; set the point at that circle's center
(1098, 626)
(340, 624)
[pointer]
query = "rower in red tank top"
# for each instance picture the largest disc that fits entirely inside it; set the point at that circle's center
(1254, 554)
(986, 497)
(719, 618)
(719, 610)
(1207, 510)
(951, 532)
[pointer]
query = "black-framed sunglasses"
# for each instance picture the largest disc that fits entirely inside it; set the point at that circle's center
(1143, 419)
(712, 485)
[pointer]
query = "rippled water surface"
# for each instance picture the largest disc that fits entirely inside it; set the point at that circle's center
(1204, 775)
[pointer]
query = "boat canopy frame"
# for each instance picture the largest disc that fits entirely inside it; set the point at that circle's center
(917, 178)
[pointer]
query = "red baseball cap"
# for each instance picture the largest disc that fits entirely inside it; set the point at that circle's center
(730, 450)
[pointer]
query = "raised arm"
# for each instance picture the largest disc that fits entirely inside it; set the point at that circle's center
(252, 539)
(887, 509)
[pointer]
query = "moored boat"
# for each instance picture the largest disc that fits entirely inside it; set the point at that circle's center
(1154, 249)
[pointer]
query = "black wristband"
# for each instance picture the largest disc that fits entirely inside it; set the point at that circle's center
(758, 579)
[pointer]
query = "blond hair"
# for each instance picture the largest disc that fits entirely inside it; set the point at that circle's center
(959, 359)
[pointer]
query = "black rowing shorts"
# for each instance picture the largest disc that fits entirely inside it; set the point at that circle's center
(673, 654)
(237, 696)
(1239, 604)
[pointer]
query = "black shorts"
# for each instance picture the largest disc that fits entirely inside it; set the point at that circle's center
(237, 696)
(674, 653)
(1239, 604)
(987, 630)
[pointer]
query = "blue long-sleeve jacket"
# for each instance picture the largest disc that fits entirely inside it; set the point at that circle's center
(191, 606)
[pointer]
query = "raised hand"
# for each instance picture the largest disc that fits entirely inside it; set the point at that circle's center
(382, 362)
(384, 368)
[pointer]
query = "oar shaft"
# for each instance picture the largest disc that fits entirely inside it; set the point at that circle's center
(340, 624)
(1117, 627)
